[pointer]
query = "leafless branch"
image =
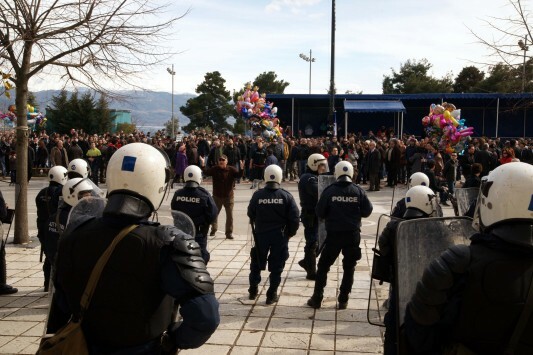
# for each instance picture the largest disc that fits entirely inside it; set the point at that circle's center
(85, 42)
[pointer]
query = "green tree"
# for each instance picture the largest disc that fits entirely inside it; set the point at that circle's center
(468, 80)
(57, 113)
(413, 77)
(125, 127)
(268, 83)
(211, 107)
(239, 126)
(102, 118)
(168, 126)
(502, 78)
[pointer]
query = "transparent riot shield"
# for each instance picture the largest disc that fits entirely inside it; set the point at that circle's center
(323, 182)
(87, 208)
(420, 241)
(183, 222)
(380, 278)
(465, 198)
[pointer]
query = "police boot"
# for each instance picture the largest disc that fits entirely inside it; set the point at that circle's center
(308, 263)
(252, 292)
(343, 300)
(272, 296)
(316, 300)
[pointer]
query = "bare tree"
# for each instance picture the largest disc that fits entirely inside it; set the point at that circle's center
(83, 42)
(507, 41)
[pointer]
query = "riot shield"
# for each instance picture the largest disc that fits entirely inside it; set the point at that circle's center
(87, 208)
(323, 182)
(183, 222)
(378, 293)
(465, 197)
(420, 241)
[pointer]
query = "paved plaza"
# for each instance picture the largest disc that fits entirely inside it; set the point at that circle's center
(247, 327)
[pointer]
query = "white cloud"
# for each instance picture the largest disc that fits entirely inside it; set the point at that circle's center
(293, 6)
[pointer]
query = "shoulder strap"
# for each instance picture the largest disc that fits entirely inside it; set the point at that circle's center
(98, 268)
(522, 322)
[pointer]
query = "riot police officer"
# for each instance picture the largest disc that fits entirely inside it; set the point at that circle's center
(478, 299)
(197, 203)
(47, 201)
(78, 168)
(421, 202)
(342, 205)
(149, 269)
(416, 179)
(275, 215)
(308, 191)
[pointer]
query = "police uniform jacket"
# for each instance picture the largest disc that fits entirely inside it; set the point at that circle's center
(274, 209)
(475, 295)
(47, 201)
(197, 203)
(308, 190)
(342, 205)
(135, 295)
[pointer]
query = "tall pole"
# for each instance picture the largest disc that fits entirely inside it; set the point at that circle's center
(172, 73)
(524, 65)
(172, 119)
(310, 62)
(332, 77)
(309, 59)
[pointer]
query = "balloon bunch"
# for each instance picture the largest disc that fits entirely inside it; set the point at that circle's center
(444, 122)
(34, 117)
(261, 114)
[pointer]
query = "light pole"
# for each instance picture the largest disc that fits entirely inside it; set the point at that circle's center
(523, 46)
(172, 72)
(309, 59)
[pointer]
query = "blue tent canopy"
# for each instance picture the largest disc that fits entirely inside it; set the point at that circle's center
(373, 106)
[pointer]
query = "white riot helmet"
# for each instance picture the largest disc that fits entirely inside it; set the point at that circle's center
(343, 168)
(139, 170)
(58, 174)
(315, 160)
(273, 173)
(418, 179)
(193, 174)
(75, 189)
(78, 168)
(506, 195)
(420, 199)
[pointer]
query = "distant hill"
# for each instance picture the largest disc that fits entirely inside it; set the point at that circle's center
(147, 108)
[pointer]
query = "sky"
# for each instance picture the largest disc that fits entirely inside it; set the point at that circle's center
(242, 39)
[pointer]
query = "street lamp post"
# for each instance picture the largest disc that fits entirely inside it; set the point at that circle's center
(309, 59)
(523, 46)
(172, 72)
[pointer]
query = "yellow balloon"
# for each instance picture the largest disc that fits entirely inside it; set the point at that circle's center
(447, 114)
(454, 121)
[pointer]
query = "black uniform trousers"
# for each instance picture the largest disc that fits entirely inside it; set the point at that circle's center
(273, 247)
(346, 242)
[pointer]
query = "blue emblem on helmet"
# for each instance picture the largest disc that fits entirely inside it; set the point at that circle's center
(128, 163)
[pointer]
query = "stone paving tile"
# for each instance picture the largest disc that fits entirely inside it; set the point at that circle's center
(208, 349)
(286, 340)
(243, 350)
(250, 338)
(224, 337)
(290, 325)
(264, 350)
(323, 341)
(360, 344)
(15, 328)
(18, 344)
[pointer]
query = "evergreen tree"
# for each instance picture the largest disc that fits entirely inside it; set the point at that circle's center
(211, 107)
(414, 78)
(57, 113)
(468, 80)
(267, 83)
(102, 117)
